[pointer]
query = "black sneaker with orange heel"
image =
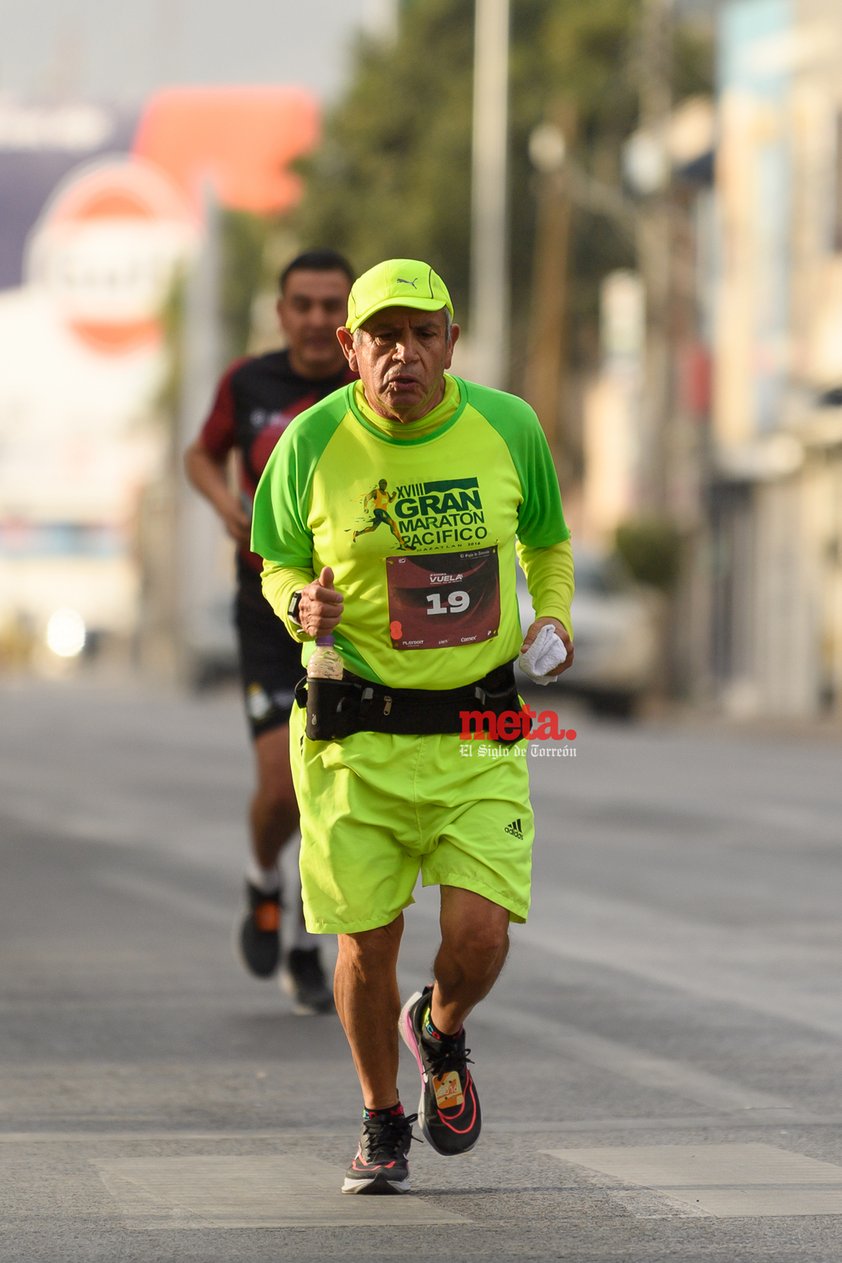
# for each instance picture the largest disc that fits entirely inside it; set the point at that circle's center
(448, 1112)
(259, 938)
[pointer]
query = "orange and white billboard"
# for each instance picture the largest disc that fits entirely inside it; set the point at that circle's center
(105, 251)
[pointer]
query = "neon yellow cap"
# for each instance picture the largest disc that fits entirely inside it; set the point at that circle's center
(396, 283)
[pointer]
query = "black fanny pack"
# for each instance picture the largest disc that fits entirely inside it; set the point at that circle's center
(336, 708)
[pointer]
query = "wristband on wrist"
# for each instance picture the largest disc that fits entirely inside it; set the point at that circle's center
(293, 607)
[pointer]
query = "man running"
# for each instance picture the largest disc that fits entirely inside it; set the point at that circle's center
(255, 402)
(384, 788)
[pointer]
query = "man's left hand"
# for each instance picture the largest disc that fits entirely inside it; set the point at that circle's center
(563, 634)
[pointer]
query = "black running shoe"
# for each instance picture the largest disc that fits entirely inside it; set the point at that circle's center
(448, 1112)
(304, 979)
(259, 938)
(381, 1165)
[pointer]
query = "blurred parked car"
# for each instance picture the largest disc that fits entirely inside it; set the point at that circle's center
(615, 635)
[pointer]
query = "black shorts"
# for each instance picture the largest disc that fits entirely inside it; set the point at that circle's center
(270, 660)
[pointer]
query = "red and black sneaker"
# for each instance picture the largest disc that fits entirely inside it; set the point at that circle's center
(259, 935)
(448, 1112)
(380, 1164)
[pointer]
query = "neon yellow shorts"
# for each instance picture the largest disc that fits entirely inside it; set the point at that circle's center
(378, 809)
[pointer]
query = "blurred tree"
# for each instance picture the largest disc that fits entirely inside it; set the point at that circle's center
(651, 548)
(392, 175)
(244, 272)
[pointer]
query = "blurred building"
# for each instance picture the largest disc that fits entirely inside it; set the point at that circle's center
(101, 211)
(750, 441)
(647, 412)
(775, 489)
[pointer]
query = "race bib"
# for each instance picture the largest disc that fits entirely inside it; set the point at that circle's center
(443, 599)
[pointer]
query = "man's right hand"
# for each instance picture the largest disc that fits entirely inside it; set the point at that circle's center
(237, 523)
(321, 605)
(209, 475)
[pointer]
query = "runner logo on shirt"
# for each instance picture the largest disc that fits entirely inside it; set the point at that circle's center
(377, 502)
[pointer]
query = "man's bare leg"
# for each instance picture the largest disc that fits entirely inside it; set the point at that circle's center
(368, 1003)
(365, 989)
(273, 816)
(273, 813)
(474, 945)
(474, 942)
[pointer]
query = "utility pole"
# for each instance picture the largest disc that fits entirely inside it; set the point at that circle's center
(489, 236)
(547, 353)
(197, 525)
(655, 248)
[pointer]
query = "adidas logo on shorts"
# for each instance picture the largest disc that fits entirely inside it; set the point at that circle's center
(515, 829)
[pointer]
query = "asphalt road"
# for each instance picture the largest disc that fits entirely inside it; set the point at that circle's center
(659, 1064)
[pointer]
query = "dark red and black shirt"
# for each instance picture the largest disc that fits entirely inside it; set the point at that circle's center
(255, 401)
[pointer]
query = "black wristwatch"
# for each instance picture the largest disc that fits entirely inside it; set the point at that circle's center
(292, 608)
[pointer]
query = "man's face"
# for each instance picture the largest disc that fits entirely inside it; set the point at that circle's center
(401, 355)
(311, 307)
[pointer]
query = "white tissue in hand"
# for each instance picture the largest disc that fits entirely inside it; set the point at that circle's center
(546, 652)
